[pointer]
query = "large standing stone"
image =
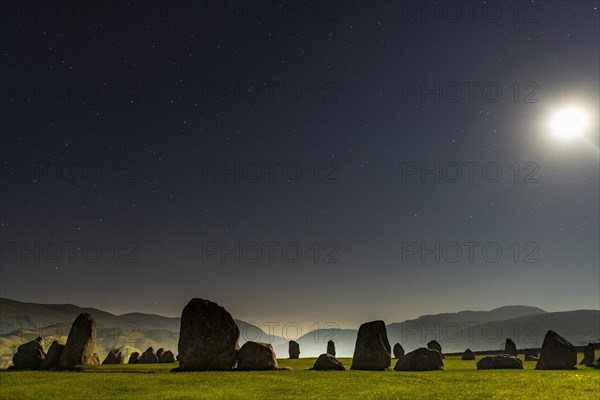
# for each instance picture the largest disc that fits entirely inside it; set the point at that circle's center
(115, 356)
(255, 356)
(134, 357)
(468, 355)
(331, 348)
(501, 361)
(167, 357)
(398, 350)
(421, 359)
(208, 338)
(30, 355)
(557, 353)
(53, 356)
(148, 357)
(588, 355)
(294, 349)
(434, 345)
(327, 362)
(510, 347)
(372, 350)
(79, 349)
(95, 359)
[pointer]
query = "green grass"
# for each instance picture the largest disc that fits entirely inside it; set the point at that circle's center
(460, 380)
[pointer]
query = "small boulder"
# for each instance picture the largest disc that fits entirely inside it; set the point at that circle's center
(588, 355)
(531, 355)
(468, 355)
(167, 357)
(421, 359)
(148, 357)
(134, 357)
(294, 349)
(557, 353)
(79, 349)
(372, 351)
(30, 355)
(434, 345)
(115, 356)
(398, 350)
(327, 362)
(255, 356)
(510, 347)
(53, 356)
(501, 361)
(331, 348)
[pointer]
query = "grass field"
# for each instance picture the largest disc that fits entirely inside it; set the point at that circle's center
(460, 380)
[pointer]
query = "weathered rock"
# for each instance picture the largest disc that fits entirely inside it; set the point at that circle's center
(331, 348)
(327, 362)
(255, 356)
(421, 359)
(95, 359)
(557, 353)
(510, 347)
(372, 351)
(468, 355)
(30, 355)
(134, 357)
(115, 356)
(159, 352)
(148, 357)
(294, 349)
(434, 345)
(79, 349)
(501, 361)
(531, 355)
(398, 350)
(53, 355)
(208, 338)
(588, 355)
(167, 357)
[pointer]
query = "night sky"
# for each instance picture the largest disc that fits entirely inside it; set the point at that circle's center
(299, 161)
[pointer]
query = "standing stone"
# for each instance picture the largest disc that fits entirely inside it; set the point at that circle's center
(331, 348)
(398, 350)
(327, 362)
(557, 353)
(115, 356)
(588, 355)
(159, 352)
(372, 351)
(255, 356)
(134, 357)
(435, 345)
(30, 355)
(53, 356)
(148, 357)
(294, 349)
(501, 361)
(421, 359)
(79, 349)
(531, 355)
(468, 355)
(167, 357)
(208, 338)
(510, 347)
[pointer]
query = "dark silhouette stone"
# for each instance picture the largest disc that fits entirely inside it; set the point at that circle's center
(148, 357)
(557, 353)
(501, 361)
(79, 349)
(434, 345)
(510, 347)
(208, 338)
(255, 356)
(468, 355)
(159, 352)
(294, 349)
(421, 359)
(372, 351)
(327, 362)
(398, 350)
(588, 355)
(134, 357)
(331, 348)
(115, 356)
(167, 357)
(30, 355)
(53, 355)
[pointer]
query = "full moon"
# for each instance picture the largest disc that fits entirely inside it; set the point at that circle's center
(568, 123)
